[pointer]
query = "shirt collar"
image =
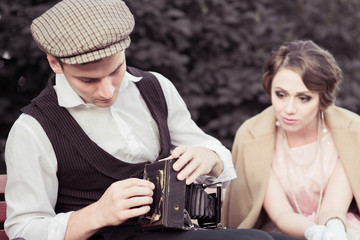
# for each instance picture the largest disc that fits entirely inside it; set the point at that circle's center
(68, 98)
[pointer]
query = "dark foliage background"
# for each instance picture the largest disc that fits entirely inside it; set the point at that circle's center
(212, 50)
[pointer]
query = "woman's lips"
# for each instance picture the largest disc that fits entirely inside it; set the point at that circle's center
(289, 121)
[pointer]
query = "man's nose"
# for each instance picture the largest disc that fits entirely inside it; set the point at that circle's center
(105, 88)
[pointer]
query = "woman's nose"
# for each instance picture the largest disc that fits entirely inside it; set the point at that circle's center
(291, 107)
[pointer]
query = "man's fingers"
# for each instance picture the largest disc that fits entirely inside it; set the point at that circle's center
(178, 151)
(130, 182)
(135, 202)
(136, 191)
(135, 212)
(184, 159)
(194, 175)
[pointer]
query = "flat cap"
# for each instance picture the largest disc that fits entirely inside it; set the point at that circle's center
(82, 31)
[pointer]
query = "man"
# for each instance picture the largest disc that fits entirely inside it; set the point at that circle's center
(75, 156)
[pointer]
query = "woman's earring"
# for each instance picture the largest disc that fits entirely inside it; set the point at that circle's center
(277, 123)
(323, 122)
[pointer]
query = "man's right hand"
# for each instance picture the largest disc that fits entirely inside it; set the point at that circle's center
(123, 200)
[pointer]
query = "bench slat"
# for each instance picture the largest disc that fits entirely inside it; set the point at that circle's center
(3, 235)
(3, 179)
(2, 211)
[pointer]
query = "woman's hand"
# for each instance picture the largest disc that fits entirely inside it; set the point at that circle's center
(315, 232)
(335, 230)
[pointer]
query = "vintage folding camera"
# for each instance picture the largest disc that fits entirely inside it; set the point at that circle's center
(176, 204)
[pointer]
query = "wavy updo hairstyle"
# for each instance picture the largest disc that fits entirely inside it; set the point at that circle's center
(316, 67)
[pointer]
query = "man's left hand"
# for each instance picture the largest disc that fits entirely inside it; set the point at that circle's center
(196, 161)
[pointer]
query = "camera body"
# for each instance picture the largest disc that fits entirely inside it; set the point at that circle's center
(175, 203)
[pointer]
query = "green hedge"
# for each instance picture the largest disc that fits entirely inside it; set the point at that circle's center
(212, 50)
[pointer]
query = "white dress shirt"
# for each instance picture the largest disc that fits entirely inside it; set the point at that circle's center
(126, 130)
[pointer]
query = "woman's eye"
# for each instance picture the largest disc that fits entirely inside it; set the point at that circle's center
(305, 98)
(279, 94)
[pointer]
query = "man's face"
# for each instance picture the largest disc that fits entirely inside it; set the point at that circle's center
(99, 82)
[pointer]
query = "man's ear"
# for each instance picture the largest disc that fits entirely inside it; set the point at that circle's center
(54, 64)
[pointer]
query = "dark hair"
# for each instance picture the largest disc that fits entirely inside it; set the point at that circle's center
(316, 67)
(60, 62)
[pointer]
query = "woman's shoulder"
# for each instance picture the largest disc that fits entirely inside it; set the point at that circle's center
(343, 111)
(342, 117)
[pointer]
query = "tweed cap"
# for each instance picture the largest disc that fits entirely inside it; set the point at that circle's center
(82, 31)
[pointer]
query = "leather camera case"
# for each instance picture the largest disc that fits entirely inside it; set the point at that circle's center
(175, 203)
(167, 209)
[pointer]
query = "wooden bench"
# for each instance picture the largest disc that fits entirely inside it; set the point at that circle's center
(3, 179)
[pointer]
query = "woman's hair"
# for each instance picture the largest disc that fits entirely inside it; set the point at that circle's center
(316, 67)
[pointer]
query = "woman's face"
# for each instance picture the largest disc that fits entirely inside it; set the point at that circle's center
(296, 107)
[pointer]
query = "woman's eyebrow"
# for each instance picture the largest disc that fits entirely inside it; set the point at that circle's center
(307, 92)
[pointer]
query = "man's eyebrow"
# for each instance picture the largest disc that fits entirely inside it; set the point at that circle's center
(117, 69)
(94, 79)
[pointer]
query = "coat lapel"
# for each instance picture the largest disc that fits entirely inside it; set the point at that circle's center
(345, 132)
(258, 153)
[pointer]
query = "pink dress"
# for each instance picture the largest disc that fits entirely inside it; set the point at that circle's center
(302, 174)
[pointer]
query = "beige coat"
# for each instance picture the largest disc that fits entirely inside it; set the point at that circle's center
(252, 154)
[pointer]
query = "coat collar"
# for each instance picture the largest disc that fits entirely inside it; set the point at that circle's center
(263, 124)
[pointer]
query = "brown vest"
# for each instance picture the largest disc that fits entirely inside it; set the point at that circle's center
(85, 170)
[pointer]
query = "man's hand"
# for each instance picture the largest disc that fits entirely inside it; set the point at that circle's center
(196, 161)
(123, 200)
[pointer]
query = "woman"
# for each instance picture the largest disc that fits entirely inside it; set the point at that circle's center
(298, 161)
